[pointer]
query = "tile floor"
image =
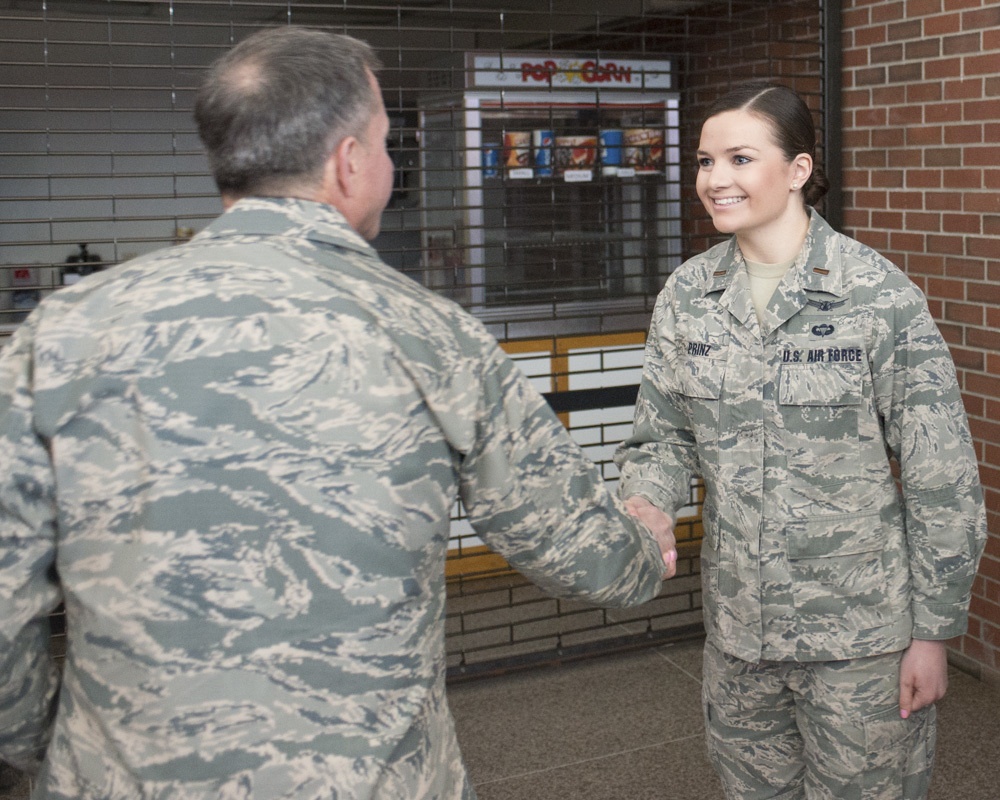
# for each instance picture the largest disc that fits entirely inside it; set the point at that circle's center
(628, 727)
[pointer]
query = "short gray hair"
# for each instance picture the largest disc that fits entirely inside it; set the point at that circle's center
(270, 110)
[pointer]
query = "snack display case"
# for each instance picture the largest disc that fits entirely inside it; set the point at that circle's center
(550, 181)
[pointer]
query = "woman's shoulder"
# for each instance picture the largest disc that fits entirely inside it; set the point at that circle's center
(863, 264)
(860, 264)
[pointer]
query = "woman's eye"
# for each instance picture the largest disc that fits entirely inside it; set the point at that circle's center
(740, 160)
(704, 163)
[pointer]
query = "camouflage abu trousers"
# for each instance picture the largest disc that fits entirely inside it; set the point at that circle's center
(827, 730)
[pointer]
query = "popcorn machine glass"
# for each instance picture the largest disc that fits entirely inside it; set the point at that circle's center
(551, 185)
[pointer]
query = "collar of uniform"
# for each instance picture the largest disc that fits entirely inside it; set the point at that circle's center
(821, 272)
(823, 269)
(722, 270)
(290, 216)
(737, 297)
(817, 269)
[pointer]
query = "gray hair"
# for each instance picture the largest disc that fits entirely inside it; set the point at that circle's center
(270, 111)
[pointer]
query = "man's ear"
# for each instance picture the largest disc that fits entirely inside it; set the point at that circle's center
(340, 177)
(344, 163)
(338, 181)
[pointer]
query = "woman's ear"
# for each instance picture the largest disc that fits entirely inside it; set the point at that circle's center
(802, 167)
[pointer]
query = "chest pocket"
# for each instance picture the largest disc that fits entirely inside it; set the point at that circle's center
(821, 384)
(701, 362)
(700, 382)
(702, 377)
(819, 407)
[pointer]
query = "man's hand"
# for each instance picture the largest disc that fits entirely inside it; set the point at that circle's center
(660, 525)
(923, 675)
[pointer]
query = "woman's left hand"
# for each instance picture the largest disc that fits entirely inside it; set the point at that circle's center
(923, 675)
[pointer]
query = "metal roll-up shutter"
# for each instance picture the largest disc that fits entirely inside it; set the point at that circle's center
(544, 180)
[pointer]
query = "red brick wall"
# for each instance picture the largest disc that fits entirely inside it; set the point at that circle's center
(921, 128)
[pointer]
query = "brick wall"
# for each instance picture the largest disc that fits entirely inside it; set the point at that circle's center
(921, 128)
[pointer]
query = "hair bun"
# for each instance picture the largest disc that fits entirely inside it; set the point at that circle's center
(816, 187)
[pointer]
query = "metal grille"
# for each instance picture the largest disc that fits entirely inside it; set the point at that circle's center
(544, 181)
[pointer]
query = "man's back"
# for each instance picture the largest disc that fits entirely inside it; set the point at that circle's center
(257, 440)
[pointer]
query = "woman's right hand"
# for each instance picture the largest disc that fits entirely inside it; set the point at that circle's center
(661, 525)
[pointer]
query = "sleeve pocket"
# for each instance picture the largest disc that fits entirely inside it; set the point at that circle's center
(939, 528)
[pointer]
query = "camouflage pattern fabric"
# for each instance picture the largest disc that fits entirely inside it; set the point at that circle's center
(810, 553)
(234, 461)
(764, 719)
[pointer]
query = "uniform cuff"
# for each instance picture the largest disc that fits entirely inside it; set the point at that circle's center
(943, 621)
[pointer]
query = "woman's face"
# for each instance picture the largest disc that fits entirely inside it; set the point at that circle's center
(744, 180)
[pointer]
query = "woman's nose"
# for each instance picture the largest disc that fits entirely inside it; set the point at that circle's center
(719, 176)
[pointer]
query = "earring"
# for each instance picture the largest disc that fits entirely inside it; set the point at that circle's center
(795, 186)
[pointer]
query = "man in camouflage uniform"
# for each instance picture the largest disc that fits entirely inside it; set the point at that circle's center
(235, 460)
(817, 573)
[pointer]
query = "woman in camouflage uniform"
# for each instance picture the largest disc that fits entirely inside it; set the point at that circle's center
(795, 369)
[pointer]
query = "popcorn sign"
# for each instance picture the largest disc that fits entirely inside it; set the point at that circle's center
(587, 72)
(519, 71)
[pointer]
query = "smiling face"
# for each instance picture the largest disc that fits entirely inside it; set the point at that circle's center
(746, 182)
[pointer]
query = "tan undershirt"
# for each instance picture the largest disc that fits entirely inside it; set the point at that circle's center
(764, 279)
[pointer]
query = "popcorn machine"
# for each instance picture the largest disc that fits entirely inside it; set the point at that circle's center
(550, 184)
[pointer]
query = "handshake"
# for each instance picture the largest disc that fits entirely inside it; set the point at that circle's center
(661, 525)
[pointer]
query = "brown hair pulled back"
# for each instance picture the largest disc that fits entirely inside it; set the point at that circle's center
(790, 120)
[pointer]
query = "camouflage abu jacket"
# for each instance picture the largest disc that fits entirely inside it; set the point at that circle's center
(809, 551)
(235, 462)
